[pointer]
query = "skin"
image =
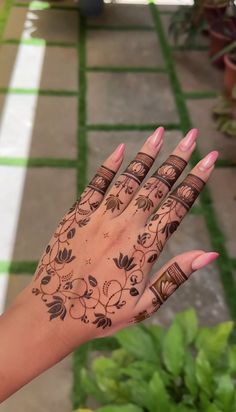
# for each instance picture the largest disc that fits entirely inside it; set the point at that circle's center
(93, 276)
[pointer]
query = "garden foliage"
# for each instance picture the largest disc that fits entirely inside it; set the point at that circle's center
(185, 368)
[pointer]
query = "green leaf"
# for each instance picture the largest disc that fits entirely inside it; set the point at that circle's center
(214, 340)
(158, 334)
(138, 392)
(137, 342)
(139, 370)
(158, 395)
(103, 366)
(91, 388)
(212, 408)
(173, 349)
(189, 324)
(204, 373)
(120, 408)
(121, 357)
(232, 359)
(224, 394)
(190, 375)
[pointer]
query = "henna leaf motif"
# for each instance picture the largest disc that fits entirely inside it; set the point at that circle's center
(48, 249)
(64, 256)
(170, 228)
(71, 233)
(124, 262)
(102, 321)
(93, 282)
(83, 222)
(152, 258)
(113, 202)
(134, 292)
(57, 308)
(143, 202)
(45, 280)
(143, 238)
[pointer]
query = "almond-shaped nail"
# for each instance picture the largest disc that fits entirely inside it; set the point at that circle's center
(188, 141)
(208, 161)
(204, 260)
(156, 137)
(118, 153)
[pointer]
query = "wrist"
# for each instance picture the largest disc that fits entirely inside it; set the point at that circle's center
(30, 343)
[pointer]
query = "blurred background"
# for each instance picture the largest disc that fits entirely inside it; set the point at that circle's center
(78, 78)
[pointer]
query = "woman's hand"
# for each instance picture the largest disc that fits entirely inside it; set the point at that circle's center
(92, 278)
(93, 275)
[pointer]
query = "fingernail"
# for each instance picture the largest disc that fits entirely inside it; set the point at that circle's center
(117, 154)
(156, 137)
(204, 260)
(187, 142)
(208, 161)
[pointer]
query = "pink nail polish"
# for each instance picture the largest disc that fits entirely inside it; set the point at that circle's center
(208, 161)
(204, 260)
(187, 142)
(117, 154)
(156, 137)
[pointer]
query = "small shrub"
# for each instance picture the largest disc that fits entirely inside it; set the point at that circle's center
(185, 368)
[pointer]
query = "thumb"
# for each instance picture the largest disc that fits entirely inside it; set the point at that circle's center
(168, 279)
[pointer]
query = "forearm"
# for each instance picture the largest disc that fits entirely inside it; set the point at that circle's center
(28, 345)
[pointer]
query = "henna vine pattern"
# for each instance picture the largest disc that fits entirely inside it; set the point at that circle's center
(160, 182)
(134, 173)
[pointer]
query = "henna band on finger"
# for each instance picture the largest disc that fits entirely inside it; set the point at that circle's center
(139, 167)
(187, 191)
(102, 179)
(170, 170)
(167, 283)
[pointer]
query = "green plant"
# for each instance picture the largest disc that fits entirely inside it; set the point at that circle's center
(187, 22)
(224, 113)
(185, 368)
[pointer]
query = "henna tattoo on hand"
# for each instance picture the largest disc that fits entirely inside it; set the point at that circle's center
(128, 180)
(160, 182)
(167, 283)
(187, 192)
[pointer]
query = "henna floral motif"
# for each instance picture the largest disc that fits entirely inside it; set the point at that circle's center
(160, 182)
(187, 192)
(133, 174)
(167, 283)
(140, 317)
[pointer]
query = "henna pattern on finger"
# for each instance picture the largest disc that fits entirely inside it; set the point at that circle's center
(166, 284)
(187, 192)
(128, 180)
(140, 317)
(166, 220)
(160, 182)
(90, 199)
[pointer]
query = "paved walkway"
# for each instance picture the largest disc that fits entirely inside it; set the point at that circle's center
(70, 91)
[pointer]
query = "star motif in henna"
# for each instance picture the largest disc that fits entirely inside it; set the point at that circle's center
(106, 235)
(88, 261)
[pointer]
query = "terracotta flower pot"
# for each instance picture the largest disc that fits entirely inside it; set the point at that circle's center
(229, 75)
(217, 42)
(213, 12)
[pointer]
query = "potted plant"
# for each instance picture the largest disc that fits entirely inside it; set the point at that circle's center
(222, 34)
(215, 9)
(224, 113)
(185, 368)
(187, 22)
